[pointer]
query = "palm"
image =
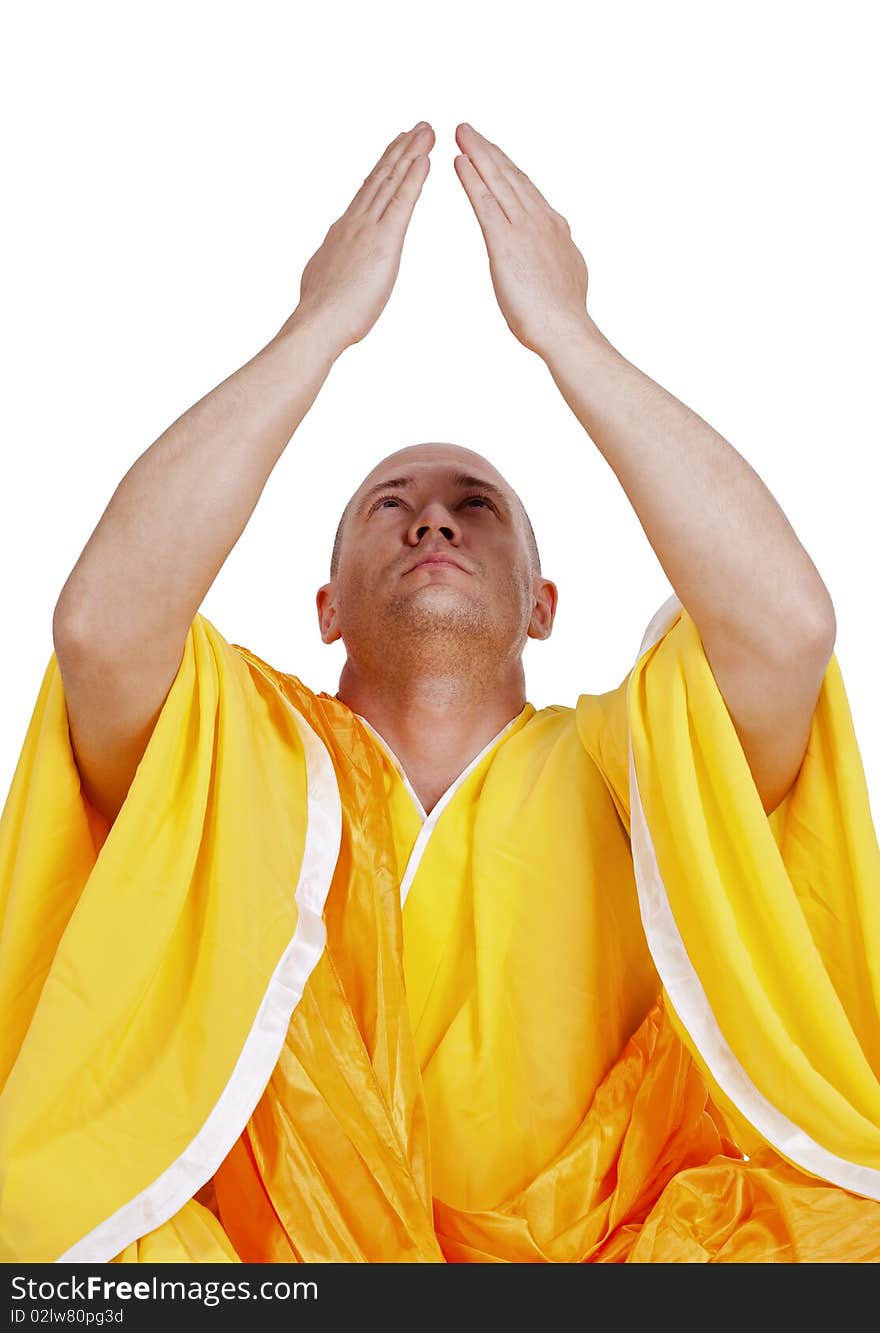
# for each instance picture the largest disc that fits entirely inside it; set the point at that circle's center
(538, 274)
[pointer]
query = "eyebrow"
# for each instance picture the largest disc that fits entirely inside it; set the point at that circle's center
(461, 479)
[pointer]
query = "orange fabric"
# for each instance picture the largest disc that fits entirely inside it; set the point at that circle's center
(649, 1177)
(359, 1129)
(649, 1174)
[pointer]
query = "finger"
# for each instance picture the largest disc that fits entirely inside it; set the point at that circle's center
(398, 210)
(369, 184)
(419, 142)
(364, 200)
(491, 161)
(490, 214)
(475, 148)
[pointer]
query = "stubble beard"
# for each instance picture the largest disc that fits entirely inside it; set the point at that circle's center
(439, 631)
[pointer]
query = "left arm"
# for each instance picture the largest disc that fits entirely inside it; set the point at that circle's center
(764, 615)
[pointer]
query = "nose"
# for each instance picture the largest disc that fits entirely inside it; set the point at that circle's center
(433, 517)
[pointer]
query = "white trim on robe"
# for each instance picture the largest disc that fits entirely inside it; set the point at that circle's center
(168, 1193)
(690, 1002)
(429, 821)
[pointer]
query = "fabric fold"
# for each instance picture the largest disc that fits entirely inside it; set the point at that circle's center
(224, 1038)
(334, 1163)
(148, 974)
(765, 930)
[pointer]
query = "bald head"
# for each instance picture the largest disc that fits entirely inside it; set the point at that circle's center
(472, 462)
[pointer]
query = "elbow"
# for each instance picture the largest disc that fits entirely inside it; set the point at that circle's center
(820, 626)
(803, 632)
(826, 624)
(67, 626)
(62, 629)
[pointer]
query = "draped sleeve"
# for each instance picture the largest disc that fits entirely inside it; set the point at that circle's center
(765, 930)
(148, 972)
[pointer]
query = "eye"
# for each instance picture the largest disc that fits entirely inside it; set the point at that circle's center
(484, 499)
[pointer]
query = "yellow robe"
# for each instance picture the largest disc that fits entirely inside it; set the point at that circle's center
(278, 1014)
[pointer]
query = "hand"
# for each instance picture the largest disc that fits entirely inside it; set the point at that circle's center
(538, 273)
(347, 282)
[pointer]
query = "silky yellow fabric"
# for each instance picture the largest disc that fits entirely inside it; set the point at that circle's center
(779, 917)
(494, 1071)
(113, 966)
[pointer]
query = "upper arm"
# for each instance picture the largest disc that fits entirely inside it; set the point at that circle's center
(771, 698)
(112, 708)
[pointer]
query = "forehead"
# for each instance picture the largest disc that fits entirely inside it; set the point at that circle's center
(425, 462)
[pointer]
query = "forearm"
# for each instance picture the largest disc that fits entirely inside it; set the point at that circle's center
(181, 507)
(727, 548)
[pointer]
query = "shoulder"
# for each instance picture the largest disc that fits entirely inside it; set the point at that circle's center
(340, 729)
(594, 727)
(602, 719)
(289, 685)
(603, 731)
(282, 689)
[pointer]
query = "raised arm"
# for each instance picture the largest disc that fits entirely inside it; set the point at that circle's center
(764, 615)
(123, 615)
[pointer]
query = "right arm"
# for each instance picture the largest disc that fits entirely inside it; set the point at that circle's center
(122, 618)
(123, 615)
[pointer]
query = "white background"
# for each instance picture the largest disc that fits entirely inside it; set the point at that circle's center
(170, 168)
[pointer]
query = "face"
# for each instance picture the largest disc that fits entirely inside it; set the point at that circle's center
(483, 597)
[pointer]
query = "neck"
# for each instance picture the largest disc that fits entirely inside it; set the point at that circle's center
(435, 723)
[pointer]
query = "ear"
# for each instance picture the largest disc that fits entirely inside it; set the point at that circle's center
(327, 618)
(544, 612)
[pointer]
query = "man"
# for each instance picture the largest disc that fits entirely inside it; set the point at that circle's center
(416, 972)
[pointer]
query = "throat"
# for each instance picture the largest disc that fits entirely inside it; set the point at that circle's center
(428, 781)
(430, 792)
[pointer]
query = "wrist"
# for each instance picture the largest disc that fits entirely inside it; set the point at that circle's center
(573, 338)
(308, 329)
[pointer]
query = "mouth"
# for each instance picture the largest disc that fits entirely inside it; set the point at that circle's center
(436, 560)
